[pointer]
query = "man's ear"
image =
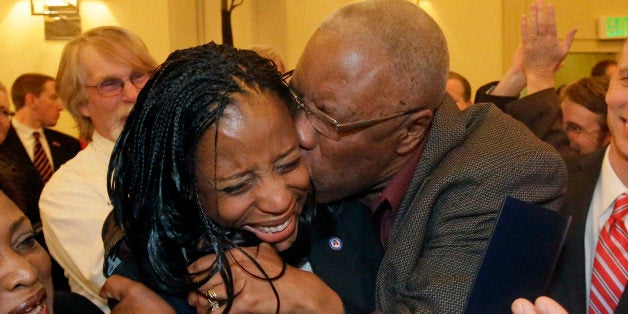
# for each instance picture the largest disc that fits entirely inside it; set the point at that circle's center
(84, 110)
(414, 131)
(29, 99)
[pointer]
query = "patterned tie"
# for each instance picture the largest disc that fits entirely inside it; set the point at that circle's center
(610, 267)
(41, 160)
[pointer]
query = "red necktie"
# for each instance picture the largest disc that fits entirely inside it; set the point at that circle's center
(41, 160)
(610, 266)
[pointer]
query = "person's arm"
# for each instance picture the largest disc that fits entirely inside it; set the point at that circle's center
(514, 80)
(538, 56)
(133, 297)
(72, 213)
(540, 112)
(299, 291)
(484, 95)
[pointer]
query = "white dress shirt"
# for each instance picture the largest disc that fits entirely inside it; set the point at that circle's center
(74, 205)
(607, 189)
(25, 134)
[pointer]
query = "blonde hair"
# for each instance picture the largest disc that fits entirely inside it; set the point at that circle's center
(114, 42)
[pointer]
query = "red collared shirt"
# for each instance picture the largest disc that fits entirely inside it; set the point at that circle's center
(386, 206)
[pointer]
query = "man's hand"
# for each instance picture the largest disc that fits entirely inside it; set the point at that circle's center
(299, 291)
(134, 297)
(543, 53)
(542, 305)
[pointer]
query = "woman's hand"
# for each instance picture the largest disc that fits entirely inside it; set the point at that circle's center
(299, 291)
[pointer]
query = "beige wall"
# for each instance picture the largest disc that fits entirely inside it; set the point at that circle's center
(481, 34)
(286, 26)
(24, 49)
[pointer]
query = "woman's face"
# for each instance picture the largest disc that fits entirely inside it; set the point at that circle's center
(258, 182)
(25, 281)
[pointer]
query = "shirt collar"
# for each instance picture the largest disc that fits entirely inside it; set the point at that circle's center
(24, 130)
(102, 144)
(610, 184)
(397, 187)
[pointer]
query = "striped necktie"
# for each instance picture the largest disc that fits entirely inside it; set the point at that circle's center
(610, 266)
(41, 160)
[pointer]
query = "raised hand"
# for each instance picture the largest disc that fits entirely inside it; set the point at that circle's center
(543, 53)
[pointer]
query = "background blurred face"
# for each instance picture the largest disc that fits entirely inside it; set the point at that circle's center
(617, 100)
(350, 82)
(48, 106)
(456, 91)
(261, 183)
(582, 127)
(610, 70)
(5, 121)
(108, 114)
(25, 281)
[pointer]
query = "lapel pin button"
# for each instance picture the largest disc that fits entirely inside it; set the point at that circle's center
(335, 243)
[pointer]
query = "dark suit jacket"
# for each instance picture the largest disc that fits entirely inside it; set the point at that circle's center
(568, 285)
(62, 148)
(347, 256)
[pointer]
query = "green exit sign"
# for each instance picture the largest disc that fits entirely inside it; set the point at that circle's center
(614, 27)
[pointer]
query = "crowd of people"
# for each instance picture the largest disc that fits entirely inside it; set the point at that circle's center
(363, 180)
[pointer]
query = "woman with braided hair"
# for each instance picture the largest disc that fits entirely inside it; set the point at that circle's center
(208, 160)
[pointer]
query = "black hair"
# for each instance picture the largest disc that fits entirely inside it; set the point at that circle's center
(8, 187)
(599, 69)
(466, 86)
(152, 182)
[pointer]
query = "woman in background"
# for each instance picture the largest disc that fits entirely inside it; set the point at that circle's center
(25, 279)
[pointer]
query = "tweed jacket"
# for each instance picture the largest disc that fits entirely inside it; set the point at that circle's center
(62, 148)
(539, 111)
(472, 160)
(568, 285)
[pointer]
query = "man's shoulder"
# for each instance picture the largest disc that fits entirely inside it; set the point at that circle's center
(79, 178)
(482, 138)
(62, 137)
(493, 130)
(82, 168)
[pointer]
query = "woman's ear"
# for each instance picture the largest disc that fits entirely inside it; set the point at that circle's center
(414, 131)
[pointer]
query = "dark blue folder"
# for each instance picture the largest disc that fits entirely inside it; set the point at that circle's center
(520, 257)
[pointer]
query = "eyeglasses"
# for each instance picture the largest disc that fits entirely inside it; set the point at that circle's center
(7, 113)
(113, 86)
(330, 127)
(577, 130)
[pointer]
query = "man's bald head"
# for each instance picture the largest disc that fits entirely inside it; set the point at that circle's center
(413, 41)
